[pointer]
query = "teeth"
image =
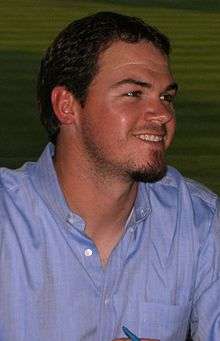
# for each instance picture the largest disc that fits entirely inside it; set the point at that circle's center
(152, 138)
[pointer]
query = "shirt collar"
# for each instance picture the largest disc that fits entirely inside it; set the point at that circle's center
(142, 206)
(48, 187)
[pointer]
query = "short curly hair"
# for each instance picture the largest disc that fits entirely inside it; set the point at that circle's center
(72, 58)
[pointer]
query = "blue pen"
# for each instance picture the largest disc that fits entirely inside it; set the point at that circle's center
(129, 334)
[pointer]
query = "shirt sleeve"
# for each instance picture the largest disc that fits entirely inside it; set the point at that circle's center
(205, 318)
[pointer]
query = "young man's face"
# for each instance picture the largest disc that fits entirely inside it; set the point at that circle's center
(128, 120)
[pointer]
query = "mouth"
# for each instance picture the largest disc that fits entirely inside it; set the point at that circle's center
(151, 137)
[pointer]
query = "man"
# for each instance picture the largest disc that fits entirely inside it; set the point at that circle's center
(99, 233)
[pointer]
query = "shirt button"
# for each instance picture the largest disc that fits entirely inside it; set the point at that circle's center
(107, 300)
(131, 229)
(142, 211)
(70, 219)
(88, 252)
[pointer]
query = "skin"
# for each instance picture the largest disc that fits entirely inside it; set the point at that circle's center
(125, 102)
(107, 141)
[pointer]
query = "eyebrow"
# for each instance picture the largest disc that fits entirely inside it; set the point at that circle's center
(172, 86)
(132, 81)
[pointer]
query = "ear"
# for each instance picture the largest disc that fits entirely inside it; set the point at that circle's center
(65, 106)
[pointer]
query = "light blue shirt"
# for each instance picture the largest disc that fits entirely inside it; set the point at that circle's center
(163, 274)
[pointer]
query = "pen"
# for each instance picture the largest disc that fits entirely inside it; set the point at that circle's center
(129, 334)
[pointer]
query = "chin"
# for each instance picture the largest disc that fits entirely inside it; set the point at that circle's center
(148, 175)
(150, 172)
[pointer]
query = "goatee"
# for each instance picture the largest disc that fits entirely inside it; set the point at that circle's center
(151, 172)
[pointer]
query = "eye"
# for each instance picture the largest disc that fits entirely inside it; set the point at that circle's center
(136, 93)
(167, 98)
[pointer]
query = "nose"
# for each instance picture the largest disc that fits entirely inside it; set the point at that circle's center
(159, 111)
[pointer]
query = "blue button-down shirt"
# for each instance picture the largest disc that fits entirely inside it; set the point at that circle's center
(163, 274)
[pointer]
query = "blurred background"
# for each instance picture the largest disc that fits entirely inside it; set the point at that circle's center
(27, 28)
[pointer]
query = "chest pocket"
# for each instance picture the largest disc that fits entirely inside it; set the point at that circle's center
(165, 322)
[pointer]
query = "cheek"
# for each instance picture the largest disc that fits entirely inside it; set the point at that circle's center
(171, 128)
(124, 125)
(111, 118)
(125, 122)
(118, 122)
(173, 125)
(124, 116)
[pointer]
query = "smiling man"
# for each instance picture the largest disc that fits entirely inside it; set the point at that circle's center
(100, 233)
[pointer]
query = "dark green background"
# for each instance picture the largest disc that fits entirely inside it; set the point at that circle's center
(28, 26)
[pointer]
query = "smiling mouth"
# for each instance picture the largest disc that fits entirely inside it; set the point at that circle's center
(150, 137)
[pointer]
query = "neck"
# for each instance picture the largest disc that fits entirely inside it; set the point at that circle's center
(103, 202)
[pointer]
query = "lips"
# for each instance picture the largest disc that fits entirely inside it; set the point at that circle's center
(150, 137)
(153, 136)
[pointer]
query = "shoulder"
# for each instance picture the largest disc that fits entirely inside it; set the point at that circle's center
(13, 179)
(195, 207)
(16, 189)
(18, 201)
(189, 189)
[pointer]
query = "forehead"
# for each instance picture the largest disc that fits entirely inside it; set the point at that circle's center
(127, 58)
